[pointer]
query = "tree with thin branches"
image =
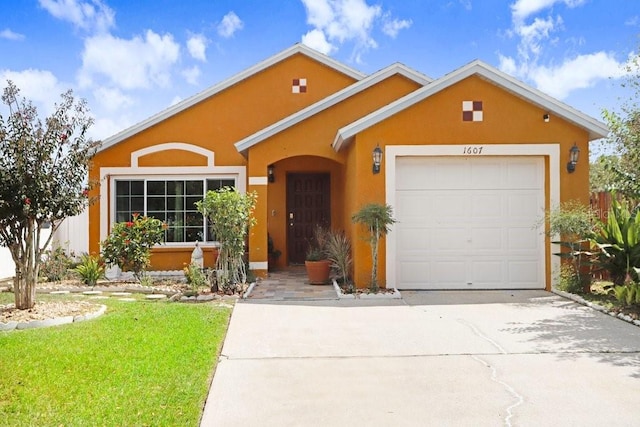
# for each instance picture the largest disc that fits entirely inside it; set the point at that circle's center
(43, 179)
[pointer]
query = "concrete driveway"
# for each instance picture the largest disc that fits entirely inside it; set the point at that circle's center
(521, 358)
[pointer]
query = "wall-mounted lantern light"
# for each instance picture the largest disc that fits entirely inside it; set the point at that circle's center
(574, 154)
(546, 117)
(377, 159)
(271, 177)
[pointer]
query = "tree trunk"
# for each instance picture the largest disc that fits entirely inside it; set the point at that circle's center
(24, 284)
(24, 292)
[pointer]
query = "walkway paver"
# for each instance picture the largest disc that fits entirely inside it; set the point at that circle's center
(290, 285)
(431, 359)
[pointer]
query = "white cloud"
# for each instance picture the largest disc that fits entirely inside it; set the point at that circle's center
(580, 72)
(522, 9)
(11, 35)
(632, 21)
(229, 25)
(342, 21)
(112, 99)
(93, 15)
(557, 78)
(316, 39)
(39, 86)
(191, 75)
(129, 63)
(393, 27)
(197, 46)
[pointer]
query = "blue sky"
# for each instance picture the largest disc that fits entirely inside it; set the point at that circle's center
(131, 59)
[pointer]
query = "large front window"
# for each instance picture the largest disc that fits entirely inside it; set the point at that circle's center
(169, 200)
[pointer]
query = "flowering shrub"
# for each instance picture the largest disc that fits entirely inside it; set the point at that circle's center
(129, 244)
(195, 276)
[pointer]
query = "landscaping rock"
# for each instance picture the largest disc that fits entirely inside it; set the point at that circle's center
(206, 297)
(120, 294)
(45, 323)
(9, 326)
(92, 292)
(156, 297)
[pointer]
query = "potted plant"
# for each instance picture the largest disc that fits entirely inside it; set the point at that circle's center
(316, 262)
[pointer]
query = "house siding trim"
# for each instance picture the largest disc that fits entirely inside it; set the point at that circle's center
(551, 151)
(208, 154)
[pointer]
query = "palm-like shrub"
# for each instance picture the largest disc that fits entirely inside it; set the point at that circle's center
(619, 243)
(377, 219)
(90, 269)
(338, 249)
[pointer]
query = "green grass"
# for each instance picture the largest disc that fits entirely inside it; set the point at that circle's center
(139, 364)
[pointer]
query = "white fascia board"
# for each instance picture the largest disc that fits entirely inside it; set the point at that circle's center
(595, 128)
(330, 101)
(195, 99)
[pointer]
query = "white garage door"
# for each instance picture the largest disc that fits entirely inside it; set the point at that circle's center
(468, 223)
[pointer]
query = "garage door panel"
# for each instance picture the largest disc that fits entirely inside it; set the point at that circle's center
(524, 273)
(488, 239)
(468, 223)
(447, 272)
(488, 206)
(486, 174)
(415, 272)
(523, 174)
(523, 239)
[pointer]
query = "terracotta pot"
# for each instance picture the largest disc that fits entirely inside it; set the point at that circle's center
(318, 271)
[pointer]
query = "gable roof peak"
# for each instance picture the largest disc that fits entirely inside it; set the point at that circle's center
(297, 48)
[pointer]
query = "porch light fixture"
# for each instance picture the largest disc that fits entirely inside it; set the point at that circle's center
(574, 154)
(377, 159)
(546, 117)
(271, 177)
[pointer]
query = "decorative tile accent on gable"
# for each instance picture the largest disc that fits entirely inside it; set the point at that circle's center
(472, 111)
(299, 86)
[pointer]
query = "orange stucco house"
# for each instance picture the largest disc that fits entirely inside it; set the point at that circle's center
(470, 162)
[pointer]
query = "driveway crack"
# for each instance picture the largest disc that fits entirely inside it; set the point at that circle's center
(519, 399)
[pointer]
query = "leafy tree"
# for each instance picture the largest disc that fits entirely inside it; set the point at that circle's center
(43, 179)
(230, 215)
(625, 136)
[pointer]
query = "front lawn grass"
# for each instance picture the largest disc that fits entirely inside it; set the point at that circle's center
(141, 363)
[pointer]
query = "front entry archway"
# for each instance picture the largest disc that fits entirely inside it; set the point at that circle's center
(308, 205)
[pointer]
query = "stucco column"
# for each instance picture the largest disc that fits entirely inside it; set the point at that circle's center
(258, 256)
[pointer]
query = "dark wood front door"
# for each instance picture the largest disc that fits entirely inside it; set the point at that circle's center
(308, 205)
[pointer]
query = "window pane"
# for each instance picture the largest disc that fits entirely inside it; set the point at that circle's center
(137, 204)
(155, 204)
(155, 188)
(191, 203)
(158, 215)
(175, 187)
(194, 188)
(193, 219)
(122, 188)
(137, 188)
(122, 203)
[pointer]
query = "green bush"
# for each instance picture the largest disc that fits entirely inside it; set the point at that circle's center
(90, 269)
(129, 244)
(196, 278)
(569, 280)
(55, 265)
(628, 294)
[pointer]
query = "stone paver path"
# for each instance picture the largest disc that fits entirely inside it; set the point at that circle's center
(290, 285)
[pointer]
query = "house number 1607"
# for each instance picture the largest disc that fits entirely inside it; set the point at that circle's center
(472, 150)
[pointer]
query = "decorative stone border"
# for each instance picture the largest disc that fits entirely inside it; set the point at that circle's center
(45, 323)
(382, 295)
(598, 307)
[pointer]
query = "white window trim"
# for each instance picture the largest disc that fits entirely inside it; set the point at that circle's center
(110, 174)
(552, 151)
